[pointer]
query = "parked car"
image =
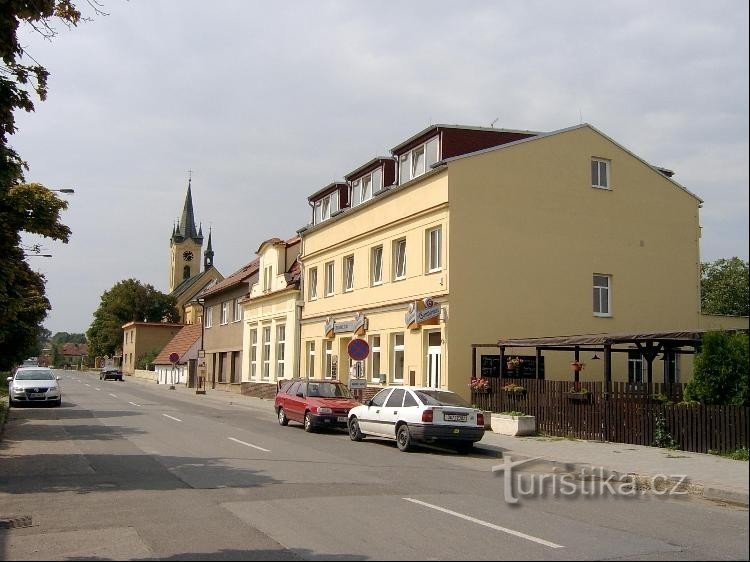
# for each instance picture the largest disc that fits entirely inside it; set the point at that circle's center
(34, 385)
(110, 373)
(411, 414)
(313, 403)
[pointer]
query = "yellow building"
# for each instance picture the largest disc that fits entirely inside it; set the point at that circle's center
(467, 235)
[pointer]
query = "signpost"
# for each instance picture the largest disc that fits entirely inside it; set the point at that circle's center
(173, 358)
(358, 350)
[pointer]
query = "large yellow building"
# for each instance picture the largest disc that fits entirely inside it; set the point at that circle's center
(467, 235)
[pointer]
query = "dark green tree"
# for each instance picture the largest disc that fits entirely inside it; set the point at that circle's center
(57, 356)
(65, 337)
(721, 370)
(724, 287)
(127, 301)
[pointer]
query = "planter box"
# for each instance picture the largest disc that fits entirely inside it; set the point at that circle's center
(513, 425)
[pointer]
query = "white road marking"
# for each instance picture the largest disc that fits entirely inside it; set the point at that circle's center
(98, 388)
(486, 524)
(87, 384)
(134, 404)
(113, 395)
(171, 417)
(249, 445)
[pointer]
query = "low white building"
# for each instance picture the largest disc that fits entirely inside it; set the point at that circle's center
(172, 365)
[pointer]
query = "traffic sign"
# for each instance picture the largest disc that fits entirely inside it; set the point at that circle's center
(358, 349)
(174, 357)
(357, 384)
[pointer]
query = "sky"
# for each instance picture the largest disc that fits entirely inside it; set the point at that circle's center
(267, 102)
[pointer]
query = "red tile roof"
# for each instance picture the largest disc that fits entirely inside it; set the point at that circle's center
(75, 349)
(180, 344)
(240, 276)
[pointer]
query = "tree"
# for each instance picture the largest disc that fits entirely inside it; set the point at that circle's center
(31, 207)
(57, 356)
(721, 370)
(127, 301)
(724, 287)
(65, 337)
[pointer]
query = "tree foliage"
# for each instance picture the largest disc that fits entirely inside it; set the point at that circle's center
(127, 301)
(721, 370)
(724, 287)
(24, 207)
(65, 337)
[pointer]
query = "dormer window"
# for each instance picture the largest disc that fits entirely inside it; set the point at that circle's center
(326, 207)
(368, 185)
(418, 160)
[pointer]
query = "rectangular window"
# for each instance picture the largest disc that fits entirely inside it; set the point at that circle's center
(599, 173)
(280, 350)
(348, 273)
(237, 310)
(224, 312)
(267, 278)
(209, 316)
(329, 359)
(635, 367)
(377, 180)
(434, 249)
(602, 295)
(253, 354)
(311, 359)
(313, 284)
(326, 209)
(356, 193)
(329, 278)
(417, 162)
(266, 352)
(403, 169)
(375, 370)
(431, 152)
(399, 259)
(398, 358)
(317, 212)
(377, 265)
(366, 188)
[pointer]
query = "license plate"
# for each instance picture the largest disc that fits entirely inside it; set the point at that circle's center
(36, 395)
(341, 419)
(455, 417)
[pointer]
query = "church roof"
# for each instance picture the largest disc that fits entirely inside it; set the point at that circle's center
(186, 227)
(187, 283)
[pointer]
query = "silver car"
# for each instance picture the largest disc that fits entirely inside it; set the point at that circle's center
(34, 385)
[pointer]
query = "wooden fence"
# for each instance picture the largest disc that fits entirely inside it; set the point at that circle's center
(629, 414)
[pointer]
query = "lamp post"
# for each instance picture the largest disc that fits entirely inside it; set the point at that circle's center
(65, 190)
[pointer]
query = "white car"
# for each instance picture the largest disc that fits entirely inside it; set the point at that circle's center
(409, 414)
(34, 385)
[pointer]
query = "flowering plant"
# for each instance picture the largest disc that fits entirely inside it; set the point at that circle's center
(479, 385)
(514, 363)
(577, 365)
(514, 389)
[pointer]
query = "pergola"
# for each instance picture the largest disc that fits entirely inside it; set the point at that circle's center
(650, 344)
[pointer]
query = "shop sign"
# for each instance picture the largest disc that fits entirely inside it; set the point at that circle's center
(425, 312)
(358, 326)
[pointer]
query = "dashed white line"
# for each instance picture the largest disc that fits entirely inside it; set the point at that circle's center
(113, 395)
(98, 388)
(249, 445)
(134, 404)
(486, 524)
(87, 384)
(171, 417)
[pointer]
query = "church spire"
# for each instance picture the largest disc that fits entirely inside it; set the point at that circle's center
(208, 255)
(187, 222)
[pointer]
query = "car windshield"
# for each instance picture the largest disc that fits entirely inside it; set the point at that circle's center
(441, 398)
(35, 376)
(327, 390)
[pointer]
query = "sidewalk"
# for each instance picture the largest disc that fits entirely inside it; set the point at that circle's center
(711, 476)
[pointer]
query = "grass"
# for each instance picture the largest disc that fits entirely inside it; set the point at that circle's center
(741, 454)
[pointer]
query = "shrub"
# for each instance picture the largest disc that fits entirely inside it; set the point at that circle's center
(721, 370)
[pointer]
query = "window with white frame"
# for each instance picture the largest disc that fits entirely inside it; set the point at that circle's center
(348, 273)
(600, 173)
(434, 249)
(326, 207)
(267, 277)
(280, 350)
(397, 368)
(329, 360)
(224, 312)
(209, 316)
(377, 265)
(237, 310)
(364, 188)
(253, 354)
(329, 278)
(399, 259)
(375, 358)
(602, 295)
(635, 367)
(266, 352)
(418, 160)
(311, 359)
(312, 281)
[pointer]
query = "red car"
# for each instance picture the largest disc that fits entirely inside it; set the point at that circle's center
(313, 403)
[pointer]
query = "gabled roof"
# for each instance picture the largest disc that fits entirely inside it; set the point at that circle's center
(461, 127)
(180, 344)
(242, 275)
(75, 348)
(187, 283)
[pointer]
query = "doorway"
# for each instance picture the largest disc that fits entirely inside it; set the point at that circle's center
(434, 363)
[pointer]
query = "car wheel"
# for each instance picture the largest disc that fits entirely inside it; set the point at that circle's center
(354, 433)
(308, 422)
(283, 420)
(403, 438)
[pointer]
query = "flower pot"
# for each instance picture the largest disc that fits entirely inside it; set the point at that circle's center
(513, 425)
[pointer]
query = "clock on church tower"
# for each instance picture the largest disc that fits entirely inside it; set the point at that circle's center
(187, 256)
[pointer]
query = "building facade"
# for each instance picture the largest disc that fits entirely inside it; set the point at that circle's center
(140, 338)
(555, 233)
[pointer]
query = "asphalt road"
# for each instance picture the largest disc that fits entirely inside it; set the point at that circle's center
(128, 470)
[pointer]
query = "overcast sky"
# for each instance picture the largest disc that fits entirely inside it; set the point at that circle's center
(267, 102)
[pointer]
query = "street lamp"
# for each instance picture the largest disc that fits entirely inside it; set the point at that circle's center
(66, 190)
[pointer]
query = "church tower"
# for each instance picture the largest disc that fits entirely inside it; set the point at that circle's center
(185, 245)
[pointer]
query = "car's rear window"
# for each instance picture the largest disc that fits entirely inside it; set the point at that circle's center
(441, 398)
(34, 375)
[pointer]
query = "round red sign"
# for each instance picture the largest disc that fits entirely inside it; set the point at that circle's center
(358, 349)
(174, 357)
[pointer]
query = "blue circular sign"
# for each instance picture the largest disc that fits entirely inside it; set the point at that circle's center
(358, 349)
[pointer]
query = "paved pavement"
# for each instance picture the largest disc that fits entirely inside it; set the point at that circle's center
(712, 476)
